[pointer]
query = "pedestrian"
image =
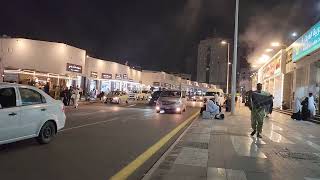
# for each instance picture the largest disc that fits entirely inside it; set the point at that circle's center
(69, 94)
(260, 101)
(46, 88)
(297, 109)
(311, 105)
(212, 107)
(305, 110)
(64, 96)
(76, 97)
(228, 104)
(204, 107)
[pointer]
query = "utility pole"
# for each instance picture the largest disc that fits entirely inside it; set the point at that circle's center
(234, 64)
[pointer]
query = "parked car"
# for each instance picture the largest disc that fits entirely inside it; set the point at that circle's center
(144, 95)
(212, 92)
(172, 101)
(27, 112)
(117, 97)
(154, 97)
(197, 98)
(133, 95)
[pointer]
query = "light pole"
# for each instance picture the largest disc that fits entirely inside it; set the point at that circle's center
(234, 64)
(228, 44)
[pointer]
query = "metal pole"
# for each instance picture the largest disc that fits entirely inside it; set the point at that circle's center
(228, 68)
(235, 55)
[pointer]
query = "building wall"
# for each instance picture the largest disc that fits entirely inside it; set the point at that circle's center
(212, 58)
(41, 56)
(102, 66)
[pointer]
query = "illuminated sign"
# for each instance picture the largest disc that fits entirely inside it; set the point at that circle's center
(94, 74)
(106, 76)
(118, 76)
(307, 43)
(74, 68)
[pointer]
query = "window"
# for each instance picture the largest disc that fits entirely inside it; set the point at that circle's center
(30, 97)
(7, 97)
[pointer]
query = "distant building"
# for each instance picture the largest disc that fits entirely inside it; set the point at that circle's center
(244, 80)
(212, 62)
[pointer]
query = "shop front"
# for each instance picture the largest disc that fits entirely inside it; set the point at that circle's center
(39, 63)
(306, 56)
(271, 76)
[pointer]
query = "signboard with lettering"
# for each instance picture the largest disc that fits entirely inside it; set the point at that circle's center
(74, 68)
(307, 43)
(106, 76)
(118, 76)
(125, 76)
(130, 80)
(94, 74)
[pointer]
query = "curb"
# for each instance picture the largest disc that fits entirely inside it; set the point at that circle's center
(149, 174)
(129, 169)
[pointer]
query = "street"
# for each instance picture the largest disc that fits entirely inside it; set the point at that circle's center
(97, 142)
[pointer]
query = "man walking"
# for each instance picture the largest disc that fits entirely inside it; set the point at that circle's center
(260, 102)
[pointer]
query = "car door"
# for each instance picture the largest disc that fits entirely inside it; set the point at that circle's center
(9, 114)
(33, 111)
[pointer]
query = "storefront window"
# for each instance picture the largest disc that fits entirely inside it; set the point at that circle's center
(105, 86)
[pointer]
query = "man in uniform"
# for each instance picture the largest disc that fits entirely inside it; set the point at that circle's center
(260, 102)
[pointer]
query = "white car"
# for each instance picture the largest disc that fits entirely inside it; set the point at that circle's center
(172, 101)
(117, 97)
(144, 95)
(27, 112)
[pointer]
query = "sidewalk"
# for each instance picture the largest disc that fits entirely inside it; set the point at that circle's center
(224, 150)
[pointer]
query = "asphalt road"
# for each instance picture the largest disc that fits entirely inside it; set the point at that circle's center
(97, 142)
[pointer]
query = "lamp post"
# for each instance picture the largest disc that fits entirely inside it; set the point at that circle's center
(234, 64)
(228, 44)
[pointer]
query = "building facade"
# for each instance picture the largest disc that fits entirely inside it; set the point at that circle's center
(212, 62)
(38, 62)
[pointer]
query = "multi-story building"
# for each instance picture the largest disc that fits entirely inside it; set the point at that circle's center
(212, 62)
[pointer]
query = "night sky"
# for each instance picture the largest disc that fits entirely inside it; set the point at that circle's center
(157, 35)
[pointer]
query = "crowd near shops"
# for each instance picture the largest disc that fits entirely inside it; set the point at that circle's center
(68, 73)
(292, 75)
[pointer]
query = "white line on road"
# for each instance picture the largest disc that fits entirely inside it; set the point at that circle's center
(90, 124)
(132, 105)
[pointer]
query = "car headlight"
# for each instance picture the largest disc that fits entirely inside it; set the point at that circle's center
(193, 97)
(201, 98)
(115, 98)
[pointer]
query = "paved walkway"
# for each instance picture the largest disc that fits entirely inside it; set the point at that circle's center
(224, 150)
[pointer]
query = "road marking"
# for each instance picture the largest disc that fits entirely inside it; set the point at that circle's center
(90, 124)
(132, 105)
(142, 158)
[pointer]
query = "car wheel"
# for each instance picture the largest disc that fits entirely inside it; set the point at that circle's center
(158, 111)
(47, 132)
(127, 102)
(119, 101)
(185, 109)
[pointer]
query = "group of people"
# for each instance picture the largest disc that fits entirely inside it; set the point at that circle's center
(212, 106)
(70, 96)
(303, 110)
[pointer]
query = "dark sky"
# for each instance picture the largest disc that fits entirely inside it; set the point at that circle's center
(155, 34)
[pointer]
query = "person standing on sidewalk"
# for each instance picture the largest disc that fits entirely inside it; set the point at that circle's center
(260, 103)
(311, 105)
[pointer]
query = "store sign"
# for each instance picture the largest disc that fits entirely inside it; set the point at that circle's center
(130, 80)
(94, 74)
(106, 76)
(307, 43)
(118, 76)
(74, 68)
(125, 76)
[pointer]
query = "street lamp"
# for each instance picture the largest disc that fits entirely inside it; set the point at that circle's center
(224, 43)
(294, 34)
(234, 64)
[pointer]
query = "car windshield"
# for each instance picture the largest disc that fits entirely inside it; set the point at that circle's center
(211, 93)
(170, 94)
(156, 94)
